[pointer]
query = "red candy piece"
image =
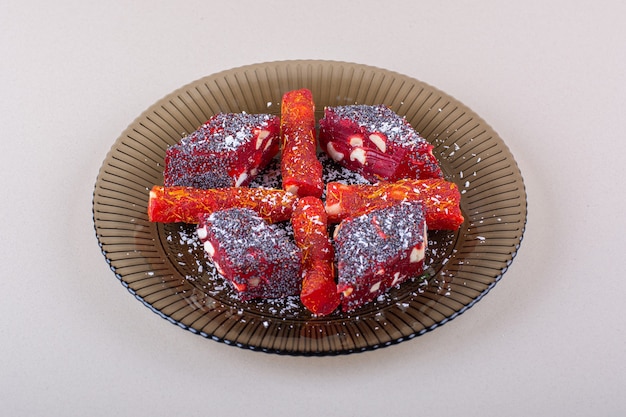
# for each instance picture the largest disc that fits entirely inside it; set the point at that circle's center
(259, 260)
(379, 250)
(440, 199)
(227, 151)
(319, 292)
(301, 170)
(377, 143)
(310, 230)
(186, 204)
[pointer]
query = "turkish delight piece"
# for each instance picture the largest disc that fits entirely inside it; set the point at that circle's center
(227, 151)
(376, 142)
(187, 204)
(300, 168)
(440, 198)
(310, 231)
(379, 250)
(258, 259)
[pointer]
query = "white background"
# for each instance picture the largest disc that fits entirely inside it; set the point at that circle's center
(548, 75)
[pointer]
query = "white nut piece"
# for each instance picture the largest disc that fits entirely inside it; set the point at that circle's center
(333, 209)
(396, 279)
(292, 189)
(417, 254)
(336, 232)
(241, 179)
(334, 153)
(218, 267)
(202, 232)
(379, 141)
(419, 251)
(375, 287)
(261, 137)
(355, 141)
(358, 154)
(209, 249)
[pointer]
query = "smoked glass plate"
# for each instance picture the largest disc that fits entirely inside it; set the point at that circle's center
(163, 266)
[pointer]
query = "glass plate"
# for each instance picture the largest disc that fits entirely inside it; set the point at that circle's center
(163, 266)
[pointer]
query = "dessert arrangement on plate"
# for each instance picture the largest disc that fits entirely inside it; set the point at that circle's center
(230, 211)
(350, 242)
